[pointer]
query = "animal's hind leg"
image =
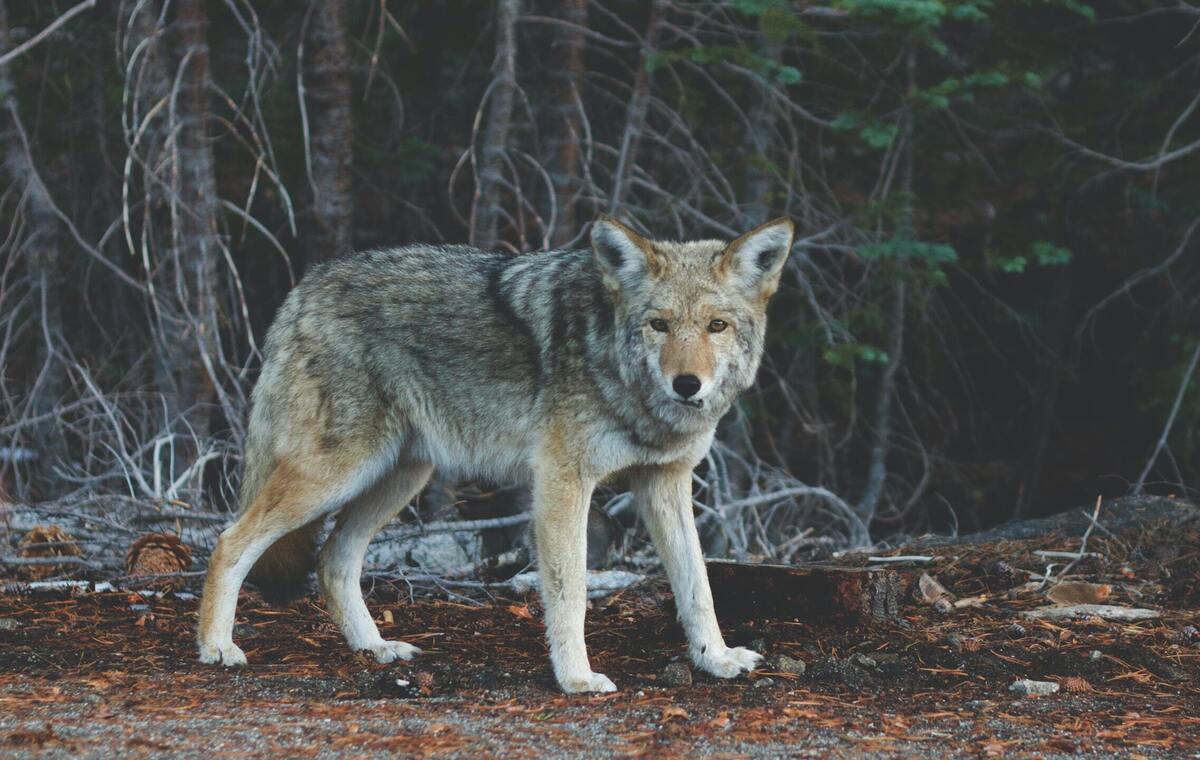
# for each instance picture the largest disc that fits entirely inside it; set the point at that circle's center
(291, 498)
(339, 567)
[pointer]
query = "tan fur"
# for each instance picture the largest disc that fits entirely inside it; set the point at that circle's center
(544, 369)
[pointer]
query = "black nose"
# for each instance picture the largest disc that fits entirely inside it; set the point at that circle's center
(686, 385)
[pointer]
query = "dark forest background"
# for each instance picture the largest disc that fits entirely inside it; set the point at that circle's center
(993, 308)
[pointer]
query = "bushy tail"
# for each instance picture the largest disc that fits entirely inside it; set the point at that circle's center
(281, 573)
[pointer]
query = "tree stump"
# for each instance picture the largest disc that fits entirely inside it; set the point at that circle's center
(813, 594)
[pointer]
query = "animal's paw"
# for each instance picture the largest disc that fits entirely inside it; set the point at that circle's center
(589, 682)
(728, 662)
(390, 651)
(227, 654)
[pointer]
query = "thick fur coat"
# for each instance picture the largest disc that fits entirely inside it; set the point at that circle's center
(559, 369)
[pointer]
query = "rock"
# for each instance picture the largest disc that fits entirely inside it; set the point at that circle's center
(848, 671)
(1095, 655)
(863, 661)
(963, 643)
(758, 645)
(1028, 688)
(676, 674)
(1016, 631)
(403, 688)
(9, 624)
(781, 663)
(764, 682)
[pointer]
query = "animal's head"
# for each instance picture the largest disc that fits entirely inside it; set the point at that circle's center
(692, 313)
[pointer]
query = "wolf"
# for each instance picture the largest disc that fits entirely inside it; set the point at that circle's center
(558, 369)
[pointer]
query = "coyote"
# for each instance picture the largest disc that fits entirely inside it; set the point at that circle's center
(559, 369)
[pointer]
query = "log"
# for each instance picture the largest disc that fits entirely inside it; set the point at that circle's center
(815, 594)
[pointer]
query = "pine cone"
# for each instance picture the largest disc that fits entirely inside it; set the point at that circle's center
(47, 541)
(158, 553)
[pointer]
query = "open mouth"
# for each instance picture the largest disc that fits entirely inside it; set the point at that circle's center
(694, 403)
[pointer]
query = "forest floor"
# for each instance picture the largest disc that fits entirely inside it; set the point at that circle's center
(113, 674)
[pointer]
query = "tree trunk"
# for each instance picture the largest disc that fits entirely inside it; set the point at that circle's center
(759, 138)
(566, 74)
(877, 463)
(635, 114)
(44, 266)
(191, 330)
(485, 210)
(327, 94)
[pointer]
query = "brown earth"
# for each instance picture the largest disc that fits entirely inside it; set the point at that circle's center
(113, 674)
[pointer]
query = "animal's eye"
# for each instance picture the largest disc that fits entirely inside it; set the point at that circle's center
(659, 324)
(717, 325)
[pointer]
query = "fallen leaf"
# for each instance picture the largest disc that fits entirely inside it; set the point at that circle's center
(520, 610)
(671, 711)
(934, 593)
(1079, 592)
(721, 721)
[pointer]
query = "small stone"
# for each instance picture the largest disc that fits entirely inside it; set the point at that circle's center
(863, 661)
(758, 645)
(781, 663)
(1095, 655)
(398, 687)
(1188, 634)
(9, 624)
(1030, 688)
(1016, 631)
(676, 674)
(768, 681)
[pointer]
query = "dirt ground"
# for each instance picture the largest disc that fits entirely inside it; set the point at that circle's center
(113, 674)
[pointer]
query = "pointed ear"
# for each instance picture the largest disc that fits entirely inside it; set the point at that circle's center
(624, 256)
(756, 259)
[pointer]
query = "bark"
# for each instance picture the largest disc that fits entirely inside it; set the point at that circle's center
(877, 463)
(485, 210)
(44, 263)
(759, 138)
(565, 102)
(327, 94)
(635, 114)
(812, 594)
(191, 331)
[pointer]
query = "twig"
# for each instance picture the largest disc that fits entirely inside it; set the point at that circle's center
(35, 39)
(1083, 542)
(1166, 432)
(1065, 555)
(458, 526)
(67, 559)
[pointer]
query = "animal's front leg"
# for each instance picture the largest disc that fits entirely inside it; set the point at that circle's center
(664, 495)
(560, 504)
